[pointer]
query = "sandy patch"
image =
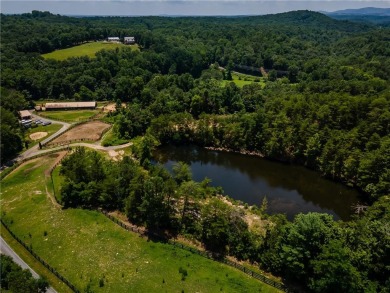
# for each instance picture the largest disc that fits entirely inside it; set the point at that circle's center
(112, 107)
(38, 135)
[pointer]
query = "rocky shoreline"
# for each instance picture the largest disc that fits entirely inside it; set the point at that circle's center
(243, 152)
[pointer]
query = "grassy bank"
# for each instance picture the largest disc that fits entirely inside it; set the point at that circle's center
(33, 263)
(111, 139)
(87, 49)
(107, 258)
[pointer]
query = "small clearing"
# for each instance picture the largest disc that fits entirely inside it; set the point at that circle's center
(87, 131)
(38, 135)
(112, 107)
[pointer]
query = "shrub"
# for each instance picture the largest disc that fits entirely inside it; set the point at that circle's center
(183, 273)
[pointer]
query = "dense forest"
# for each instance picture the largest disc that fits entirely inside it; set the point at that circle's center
(325, 104)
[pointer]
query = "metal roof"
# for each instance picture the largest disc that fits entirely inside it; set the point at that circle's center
(24, 113)
(70, 105)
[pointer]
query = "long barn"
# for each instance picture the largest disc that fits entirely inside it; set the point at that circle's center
(70, 106)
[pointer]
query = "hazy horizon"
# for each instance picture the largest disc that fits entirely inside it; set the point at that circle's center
(181, 7)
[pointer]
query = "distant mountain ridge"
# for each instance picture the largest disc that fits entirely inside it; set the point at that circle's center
(362, 11)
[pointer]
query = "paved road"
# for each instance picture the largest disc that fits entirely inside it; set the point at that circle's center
(34, 150)
(7, 250)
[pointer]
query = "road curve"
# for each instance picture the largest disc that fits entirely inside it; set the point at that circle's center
(7, 250)
(33, 151)
(83, 144)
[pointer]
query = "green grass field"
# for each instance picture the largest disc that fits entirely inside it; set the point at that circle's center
(33, 263)
(87, 49)
(243, 79)
(85, 247)
(69, 116)
(50, 129)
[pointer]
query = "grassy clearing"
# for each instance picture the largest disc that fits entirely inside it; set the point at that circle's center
(111, 139)
(243, 79)
(69, 116)
(50, 129)
(88, 49)
(101, 250)
(43, 102)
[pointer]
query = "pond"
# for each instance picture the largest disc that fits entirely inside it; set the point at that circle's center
(289, 189)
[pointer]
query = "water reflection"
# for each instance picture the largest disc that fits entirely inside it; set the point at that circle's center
(289, 189)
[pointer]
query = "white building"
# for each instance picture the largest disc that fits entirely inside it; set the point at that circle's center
(129, 40)
(113, 39)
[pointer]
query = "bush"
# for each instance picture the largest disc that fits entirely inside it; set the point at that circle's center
(183, 273)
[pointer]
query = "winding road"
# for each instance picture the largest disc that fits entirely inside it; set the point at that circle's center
(36, 151)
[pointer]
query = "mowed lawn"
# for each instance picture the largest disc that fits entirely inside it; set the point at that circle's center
(87, 49)
(69, 116)
(86, 247)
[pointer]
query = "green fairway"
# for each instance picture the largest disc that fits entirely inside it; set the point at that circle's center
(69, 116)
(87, 49)
(90, 250)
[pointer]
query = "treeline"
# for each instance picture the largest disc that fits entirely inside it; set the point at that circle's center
(15, 279)
(334, 56)
(11, 130)
(312, 253)
(343, 136)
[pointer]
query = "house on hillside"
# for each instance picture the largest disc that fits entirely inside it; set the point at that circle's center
(113, 39)
(70, 106)
(25, 115)
(129, 40)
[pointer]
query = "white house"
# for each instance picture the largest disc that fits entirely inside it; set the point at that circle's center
(113, 39)
(129, 40)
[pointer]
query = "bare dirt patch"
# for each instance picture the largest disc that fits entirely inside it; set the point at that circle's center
(112, 107)
(116, 156)
(38, 135)
(87, 131)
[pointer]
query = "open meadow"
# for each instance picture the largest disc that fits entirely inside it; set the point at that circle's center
(87, 49)
(93, 252)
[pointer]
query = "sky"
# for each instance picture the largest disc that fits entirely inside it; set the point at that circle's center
(181, 7)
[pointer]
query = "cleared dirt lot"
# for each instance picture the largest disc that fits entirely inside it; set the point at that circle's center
(88, 131)
(112, 107)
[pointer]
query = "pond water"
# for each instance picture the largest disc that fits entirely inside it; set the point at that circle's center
(289, 189)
